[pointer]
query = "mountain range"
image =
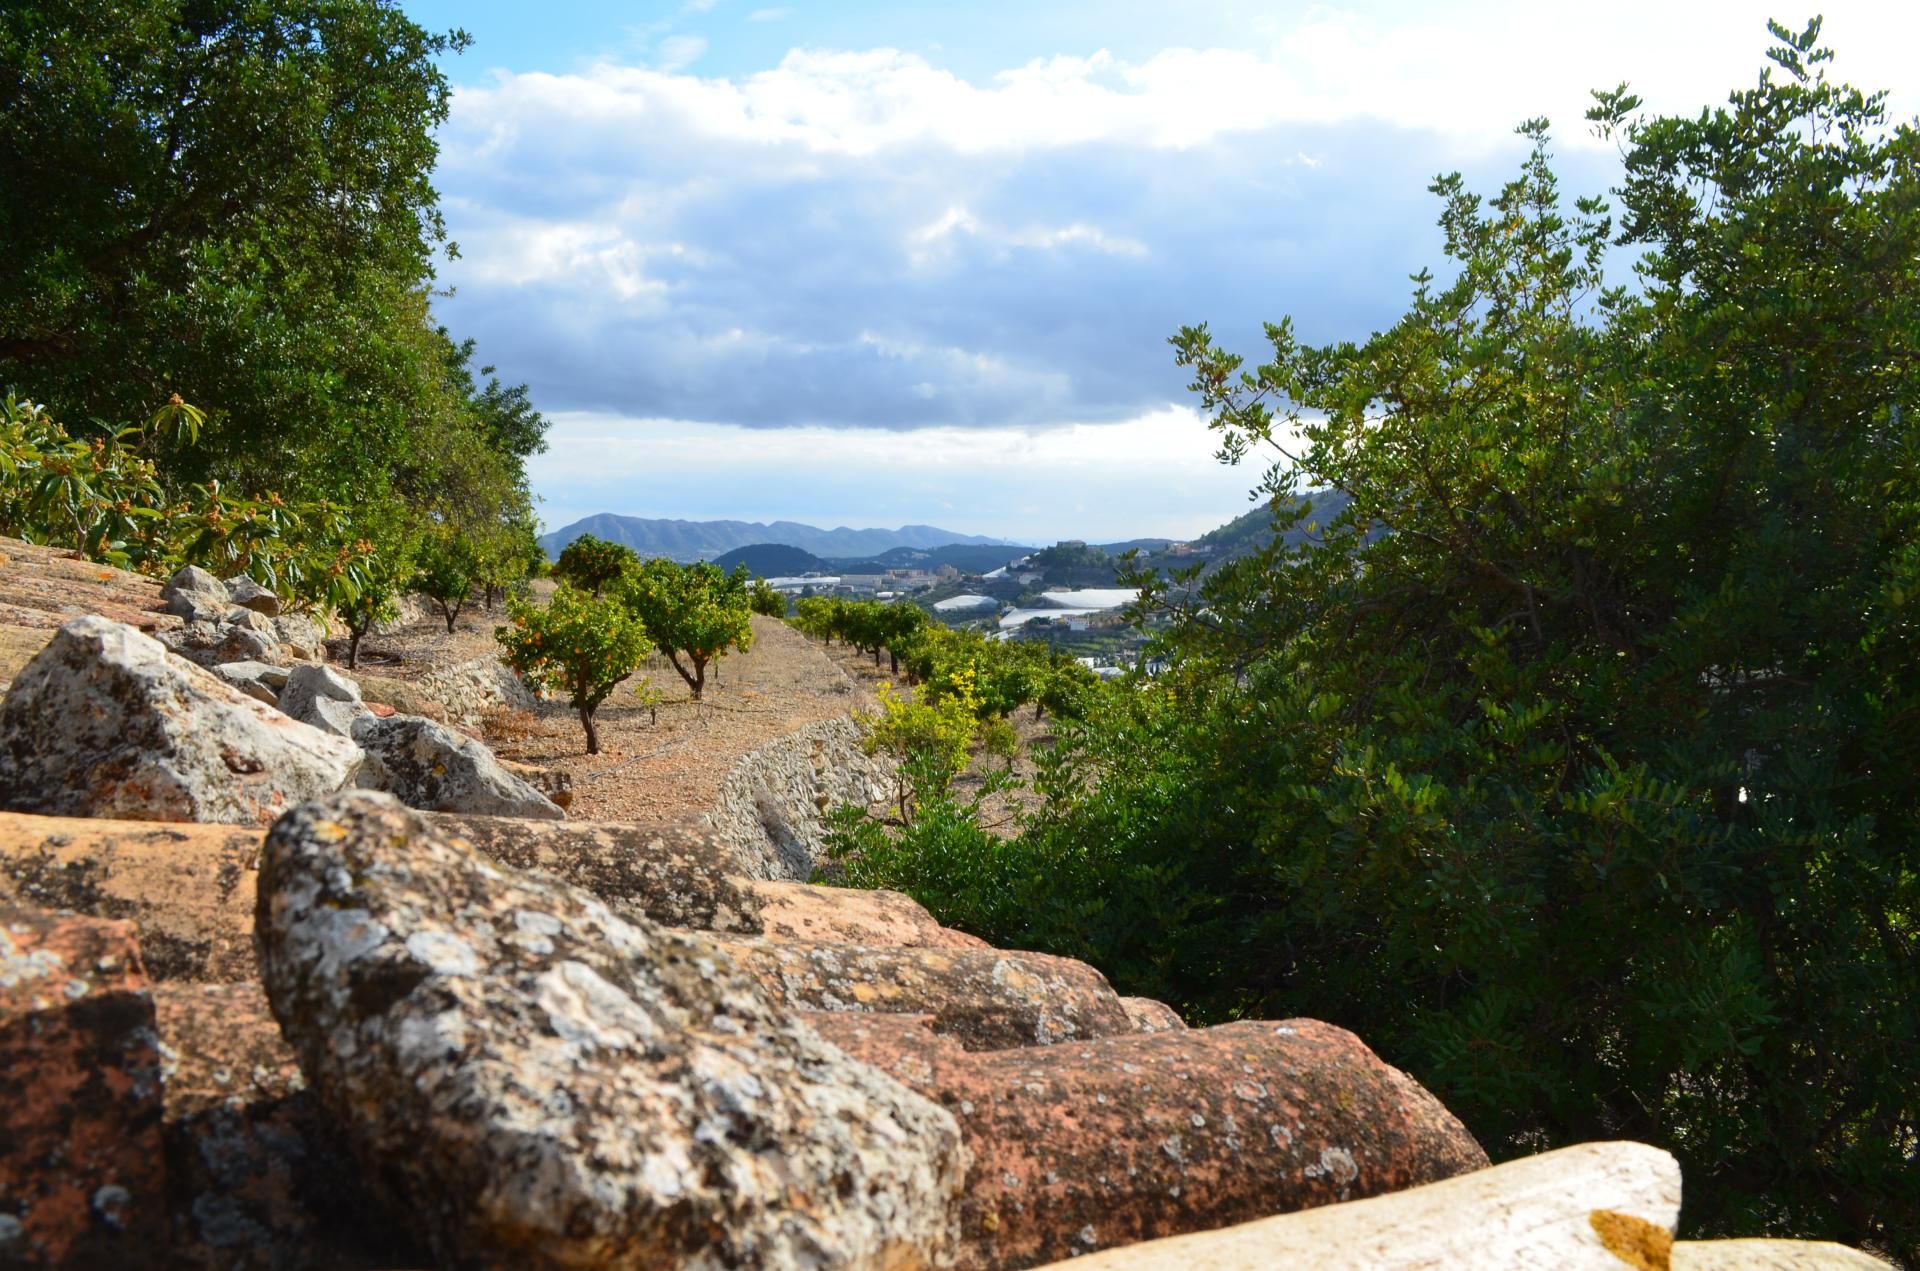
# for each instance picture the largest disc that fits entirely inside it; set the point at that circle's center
(703, 540)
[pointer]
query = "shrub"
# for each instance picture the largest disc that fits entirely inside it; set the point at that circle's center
(694, 612)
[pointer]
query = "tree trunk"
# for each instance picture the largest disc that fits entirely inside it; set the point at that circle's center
(353, 649)
(893, 661)
(593, 735)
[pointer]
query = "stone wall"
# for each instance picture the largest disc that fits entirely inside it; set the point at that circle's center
(459, 694)
(772, 806)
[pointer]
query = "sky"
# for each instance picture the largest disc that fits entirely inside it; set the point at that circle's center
(876, 263)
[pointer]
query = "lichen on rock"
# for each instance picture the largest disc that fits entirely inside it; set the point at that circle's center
(545, 1084)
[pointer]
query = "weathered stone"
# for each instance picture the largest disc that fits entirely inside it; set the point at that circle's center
(192, 591)
(323, 698)
(189, 887)
(104, 723)
(841, 915)
(300, 636)
(1150, 1016)
(431, 767)
(256, 1176)
(1086, 1145)
(984, 998)
(81, 1179)
(773, 804)
(43, 587)
(1537, 1212)
(251, 620)
(243, 591)
(543, 1084)
(1770, 1255)
(246, 677)
(680, 876)
(209, 643)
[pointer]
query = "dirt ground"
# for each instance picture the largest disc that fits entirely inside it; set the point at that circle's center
(668, 765)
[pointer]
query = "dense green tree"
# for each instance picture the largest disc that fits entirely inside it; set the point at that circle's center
(694, 613)
(1577, 769)
(232, 201)
(447, 567)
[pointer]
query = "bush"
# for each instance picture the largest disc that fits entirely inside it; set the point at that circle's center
(580, 644)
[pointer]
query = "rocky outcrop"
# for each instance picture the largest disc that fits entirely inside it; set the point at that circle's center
(459, 695)
(983, 998)
(323, 698)
(104, 723)
(773, 804)
(431, 767)
(81, 1180)
(42, 588)
(625, 1096)
(838, 915)
(188, 887)
(1082, 1146)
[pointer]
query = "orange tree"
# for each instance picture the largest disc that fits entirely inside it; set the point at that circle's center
(578, 644)
(694, 612)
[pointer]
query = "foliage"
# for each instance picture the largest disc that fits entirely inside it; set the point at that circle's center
(1576, 769)
(591, 563)
(763, 599)
(387, 577)
(237, 198)
(694, 612)
(447, 565)
(936, 735)
(580, 644)
(103, 498)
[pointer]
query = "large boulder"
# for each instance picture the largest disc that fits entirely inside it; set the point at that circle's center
(543, 1084)
(103, 723)
(212, 639)
(1091, 1144)
(300, 636)
(432, 767)
(81, 1180)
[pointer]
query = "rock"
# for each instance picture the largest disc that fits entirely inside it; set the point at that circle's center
(985, 999)
(1539, 1211)
(242, 590)
(209, 643)
(773, 803)
(322, 697)
(103, 723)
(431, 767)
(81, 1179)
(43, 587)
(1771, 1255)
(189, 887)
(1086, 1145)
(300, 636)
(841, 915)
(1149, 1016)
(251, 620)
(680, 876)
(542, 1083)
(256, 1177)
(247, 677)
(192, 590)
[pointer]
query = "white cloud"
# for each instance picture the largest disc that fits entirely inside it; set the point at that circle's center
(1152, 475)
(769, 15)
(1471, 77)
(930, 242)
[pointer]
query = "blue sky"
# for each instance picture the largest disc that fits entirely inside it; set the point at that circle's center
(865, 264)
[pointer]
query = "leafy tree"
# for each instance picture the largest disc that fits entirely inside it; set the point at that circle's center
(694, 612)
(388, 575)
(1575, 769)
(447, 567)
(591, 563)
(580, 644)
(765, 600)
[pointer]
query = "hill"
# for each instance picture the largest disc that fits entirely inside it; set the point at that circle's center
(704, 540)
(772, 560)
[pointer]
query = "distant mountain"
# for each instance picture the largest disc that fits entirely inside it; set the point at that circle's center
(772, 560)
(704, 540)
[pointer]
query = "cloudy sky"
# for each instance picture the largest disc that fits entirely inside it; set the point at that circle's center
(873, 263)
